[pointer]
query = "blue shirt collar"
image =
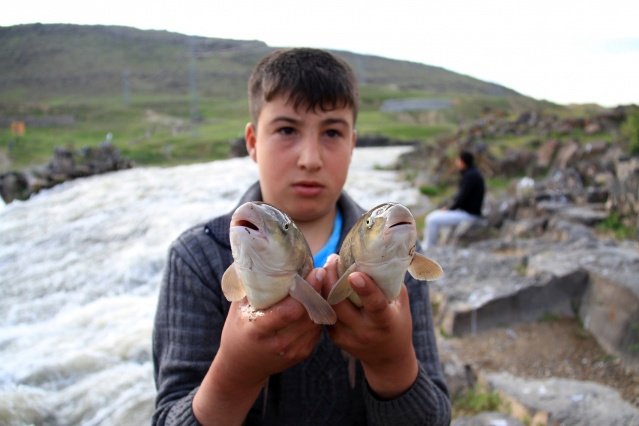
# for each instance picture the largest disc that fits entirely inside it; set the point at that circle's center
(319, 259)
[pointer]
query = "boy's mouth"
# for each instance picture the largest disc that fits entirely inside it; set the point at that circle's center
(308, 188)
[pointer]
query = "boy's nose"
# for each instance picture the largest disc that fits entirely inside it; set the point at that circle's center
(310, 157)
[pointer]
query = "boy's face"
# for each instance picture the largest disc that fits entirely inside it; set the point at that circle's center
(302, 157)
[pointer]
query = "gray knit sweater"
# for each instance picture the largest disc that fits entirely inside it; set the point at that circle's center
(188, 327)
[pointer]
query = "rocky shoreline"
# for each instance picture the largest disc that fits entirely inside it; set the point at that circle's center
(66, 164)
(541, 255)
(539, 303)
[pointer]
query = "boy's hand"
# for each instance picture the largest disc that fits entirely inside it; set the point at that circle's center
(251, 350)
(379, 334)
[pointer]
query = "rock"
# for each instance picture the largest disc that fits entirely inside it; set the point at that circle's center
(238, 148)
(584, 215)
(596, 195)
(609, 307)
(470, 232)
(487, 419)
(524, 228)
(569, 232)
(593, 128)
(14, 186)
(563, 402)
(66, 165)
(546, 261)
(562, 183)
(547, 153)
(625, 192)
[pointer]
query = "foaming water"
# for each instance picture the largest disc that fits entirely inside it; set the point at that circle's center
(80, 268)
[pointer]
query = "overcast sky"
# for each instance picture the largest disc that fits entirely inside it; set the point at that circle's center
(565, 51)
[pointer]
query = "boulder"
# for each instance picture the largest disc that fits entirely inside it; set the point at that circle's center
(556, 401)
(487, 419)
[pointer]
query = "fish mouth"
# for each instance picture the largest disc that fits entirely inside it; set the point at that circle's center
(246, 224)
(248, 218)
(399, 217)
(399, 224)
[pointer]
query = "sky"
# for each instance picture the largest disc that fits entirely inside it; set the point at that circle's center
(563, 51)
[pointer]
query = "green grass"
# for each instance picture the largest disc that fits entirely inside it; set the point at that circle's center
(429, 190)
(613, 225)
(475, 401)
(157, 130)
(548, 317)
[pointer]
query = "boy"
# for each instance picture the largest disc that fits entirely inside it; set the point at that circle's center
(214, 367)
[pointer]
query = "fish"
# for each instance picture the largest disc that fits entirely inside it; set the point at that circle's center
(271, 257)
(382, 244)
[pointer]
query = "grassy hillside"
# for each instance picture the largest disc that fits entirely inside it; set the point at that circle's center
(170, 98)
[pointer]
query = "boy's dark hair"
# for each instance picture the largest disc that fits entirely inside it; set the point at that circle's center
(311, 78)
(467, 158)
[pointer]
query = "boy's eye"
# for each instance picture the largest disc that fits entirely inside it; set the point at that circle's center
(332, 133)
(286, 131)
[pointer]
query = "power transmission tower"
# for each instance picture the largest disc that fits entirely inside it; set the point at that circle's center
(195, 96)
(125, 84)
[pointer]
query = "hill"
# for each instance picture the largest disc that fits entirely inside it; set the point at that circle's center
(40, 61)
(170, 98)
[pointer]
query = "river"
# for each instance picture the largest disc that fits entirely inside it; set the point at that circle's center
(80, 268)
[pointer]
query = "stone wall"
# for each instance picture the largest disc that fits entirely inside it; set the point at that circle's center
(66, 165)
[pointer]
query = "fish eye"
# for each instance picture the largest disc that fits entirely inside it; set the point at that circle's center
(369, 221)
(286, 225)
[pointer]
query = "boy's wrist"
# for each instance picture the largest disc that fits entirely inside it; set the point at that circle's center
(224, 392)
(389, 380)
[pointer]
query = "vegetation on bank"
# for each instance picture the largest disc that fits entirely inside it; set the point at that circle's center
(169, 98)
(159, 130)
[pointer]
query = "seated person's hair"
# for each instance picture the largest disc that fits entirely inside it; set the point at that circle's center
(467, 158)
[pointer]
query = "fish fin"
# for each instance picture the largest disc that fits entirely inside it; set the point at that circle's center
(424, 268)
(351, 363)
(352, 371)
(231, 285)
(318, 309)
(265, 394)
(342, 289)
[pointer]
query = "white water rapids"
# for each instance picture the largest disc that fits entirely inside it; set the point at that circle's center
(80, 268)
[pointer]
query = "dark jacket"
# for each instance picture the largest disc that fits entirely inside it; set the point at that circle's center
(188, 327)
(470, 195)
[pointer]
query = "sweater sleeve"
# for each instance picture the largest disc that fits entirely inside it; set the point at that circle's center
(187, 329)
(427, 401)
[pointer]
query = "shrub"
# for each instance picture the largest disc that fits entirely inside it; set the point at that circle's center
(475, 401)
(630, 129)
(429, 190)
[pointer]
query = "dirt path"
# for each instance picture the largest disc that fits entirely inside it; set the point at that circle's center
(559, 348)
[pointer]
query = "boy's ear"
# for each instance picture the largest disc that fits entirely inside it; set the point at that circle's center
(354, 141)
(251, 137)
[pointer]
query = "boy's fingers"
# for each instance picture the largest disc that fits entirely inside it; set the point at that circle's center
(316, 278)
(330, 277)
(373, 300)
(331, 265)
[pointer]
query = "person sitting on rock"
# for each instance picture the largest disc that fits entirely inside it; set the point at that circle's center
(467, 202)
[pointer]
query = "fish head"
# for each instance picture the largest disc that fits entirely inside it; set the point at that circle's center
(271, 260)
(389, 227)
(265, 239)
(382, 245)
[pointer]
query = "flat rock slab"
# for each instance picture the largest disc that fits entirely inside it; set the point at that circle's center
(564, 402)
(495, 283)
(487, 419)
